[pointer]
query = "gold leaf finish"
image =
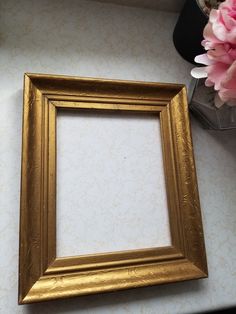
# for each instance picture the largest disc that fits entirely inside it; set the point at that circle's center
(42, 276)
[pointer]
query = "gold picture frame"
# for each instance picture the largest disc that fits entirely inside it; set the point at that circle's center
(43, 276)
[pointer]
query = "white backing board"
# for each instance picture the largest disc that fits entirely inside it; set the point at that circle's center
(110, 183)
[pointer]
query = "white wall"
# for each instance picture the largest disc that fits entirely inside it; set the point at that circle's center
(103, 40)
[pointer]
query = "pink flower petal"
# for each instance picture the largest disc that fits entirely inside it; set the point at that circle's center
(199, 72)
(231, 36)
(220, 54)
(209, 34)
(216, 73)
(209, 83)
(229, 21)
(214, 14)
(230, 80)
(203, 59)
(220, 31)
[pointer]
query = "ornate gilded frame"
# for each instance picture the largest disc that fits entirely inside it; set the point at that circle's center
(43, 276)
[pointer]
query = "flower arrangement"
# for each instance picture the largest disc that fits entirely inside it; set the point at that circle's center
(220, 57)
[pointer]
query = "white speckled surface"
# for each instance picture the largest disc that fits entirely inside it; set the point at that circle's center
(103, 40)
(110, 183)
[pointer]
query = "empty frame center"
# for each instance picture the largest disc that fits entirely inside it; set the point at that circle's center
(111, 193)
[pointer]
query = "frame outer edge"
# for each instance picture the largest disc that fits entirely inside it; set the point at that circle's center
(88, 86)
(79, 284)
(30, 203)
(188, 189)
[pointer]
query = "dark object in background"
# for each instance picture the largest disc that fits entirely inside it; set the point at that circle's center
(222, 311)
(188, 32)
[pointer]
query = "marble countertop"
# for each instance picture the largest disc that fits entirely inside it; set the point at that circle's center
(87, 38)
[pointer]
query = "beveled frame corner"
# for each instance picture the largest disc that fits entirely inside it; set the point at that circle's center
(43, 276)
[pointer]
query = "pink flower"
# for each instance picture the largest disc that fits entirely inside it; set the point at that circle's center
(224, 21)
(220, 59)
(228, 86)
